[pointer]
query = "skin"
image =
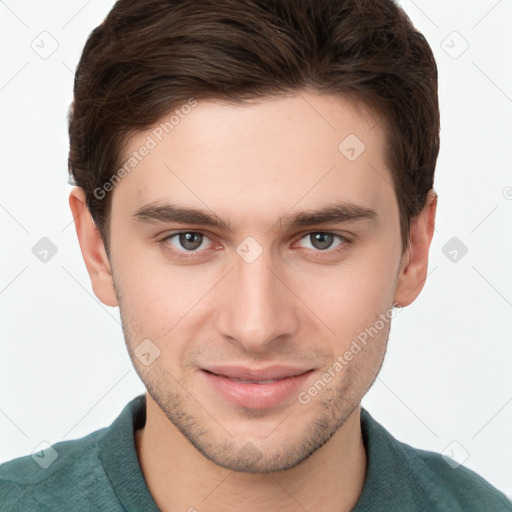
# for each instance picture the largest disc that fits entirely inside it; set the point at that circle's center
(299, 303)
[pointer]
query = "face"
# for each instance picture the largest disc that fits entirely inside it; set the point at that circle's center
(235, 313)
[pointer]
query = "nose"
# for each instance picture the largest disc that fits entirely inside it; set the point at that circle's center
(257, 306)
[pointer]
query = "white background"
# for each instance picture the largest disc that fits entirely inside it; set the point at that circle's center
(64, 370)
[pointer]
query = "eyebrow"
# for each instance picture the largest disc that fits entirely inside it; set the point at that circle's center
(333, 213)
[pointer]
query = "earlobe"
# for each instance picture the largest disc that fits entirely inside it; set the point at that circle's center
(414, 267)
(93, 249)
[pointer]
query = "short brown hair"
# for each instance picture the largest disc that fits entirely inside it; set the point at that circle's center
(150, 56)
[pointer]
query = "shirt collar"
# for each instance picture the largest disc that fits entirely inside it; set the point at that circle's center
(386, 470)
(119, 457)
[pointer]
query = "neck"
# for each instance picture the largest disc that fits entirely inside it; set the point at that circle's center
(181, 478)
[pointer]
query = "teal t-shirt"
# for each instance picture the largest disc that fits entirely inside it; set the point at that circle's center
(101, 472)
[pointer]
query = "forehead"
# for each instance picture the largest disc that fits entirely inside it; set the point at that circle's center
(258, 158)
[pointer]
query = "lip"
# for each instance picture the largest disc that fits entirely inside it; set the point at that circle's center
(249, 387)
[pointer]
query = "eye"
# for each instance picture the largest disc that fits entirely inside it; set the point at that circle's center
(188, 244)
(185, 241)
(321, 241)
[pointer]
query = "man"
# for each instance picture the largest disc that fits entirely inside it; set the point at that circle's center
(255, 192)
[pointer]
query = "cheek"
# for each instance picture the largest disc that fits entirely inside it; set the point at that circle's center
(157, 299)
(351, 297)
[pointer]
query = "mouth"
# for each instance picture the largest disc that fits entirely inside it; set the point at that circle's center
(250, 381)
(256, 388)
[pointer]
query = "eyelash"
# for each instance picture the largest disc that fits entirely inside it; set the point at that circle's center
(345, 242)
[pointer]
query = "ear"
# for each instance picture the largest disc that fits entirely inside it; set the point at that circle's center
(93, 249)
(413, 269)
